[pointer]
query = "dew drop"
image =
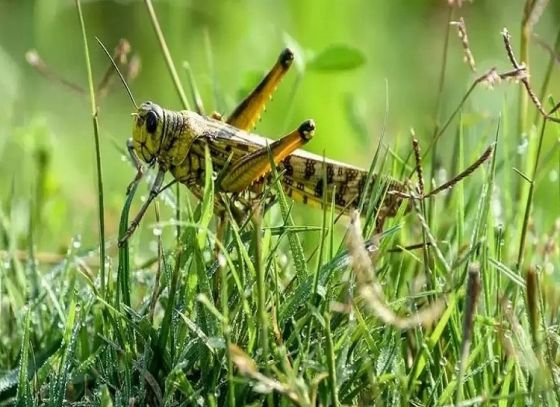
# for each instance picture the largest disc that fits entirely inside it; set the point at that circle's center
(77, 242)
(522, 147)
(222, 260)
(157, 230)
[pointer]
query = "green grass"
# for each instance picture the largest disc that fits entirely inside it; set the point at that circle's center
(455, 303)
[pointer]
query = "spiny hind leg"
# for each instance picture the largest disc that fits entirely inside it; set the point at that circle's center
(249, 110)
(246, 170)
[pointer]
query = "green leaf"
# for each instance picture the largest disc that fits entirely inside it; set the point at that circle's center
(337, 58)
(23, 397)
(207, 201)
(295, 243)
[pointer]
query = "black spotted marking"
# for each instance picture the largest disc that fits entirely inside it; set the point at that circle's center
(355, 201)
(288, 181)
(228, 148)
(300, 186)
(361, 185)
(340, 171)
(305, 199)
(309, 169)
(289, 192)
(319, 188)
(342, 188)
(330, 174)
(199, 173)
(288, 167)
(339, 199)
(244, 147)
(351, 175)
(340, 195)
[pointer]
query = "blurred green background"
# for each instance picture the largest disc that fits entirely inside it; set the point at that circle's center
(229, 44)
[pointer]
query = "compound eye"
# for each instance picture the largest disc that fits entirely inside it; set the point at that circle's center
(151, 122)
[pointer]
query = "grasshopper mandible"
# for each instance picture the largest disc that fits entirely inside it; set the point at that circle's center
(175, 141)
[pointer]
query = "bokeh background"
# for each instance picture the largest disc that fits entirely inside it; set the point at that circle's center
(46, 142)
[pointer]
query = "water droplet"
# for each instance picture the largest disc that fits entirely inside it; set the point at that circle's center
(157, 230)
(124, 158)
(522, 147)
(77, 242)
(283, 260)
(222, 260)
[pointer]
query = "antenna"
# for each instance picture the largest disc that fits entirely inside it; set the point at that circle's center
(119, 72)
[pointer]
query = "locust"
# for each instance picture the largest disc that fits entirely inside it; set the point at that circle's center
(175, 142)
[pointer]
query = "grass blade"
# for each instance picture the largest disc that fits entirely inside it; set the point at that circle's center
(101, 210)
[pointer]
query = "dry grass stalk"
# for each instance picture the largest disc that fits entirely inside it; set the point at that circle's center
(248, 367)
(120, 56)
(371, 292)
(525, 79)
(418, 159)
(462, 33)
(473, 292)
(451, 183)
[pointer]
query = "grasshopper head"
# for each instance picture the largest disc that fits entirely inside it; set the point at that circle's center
(147, 131)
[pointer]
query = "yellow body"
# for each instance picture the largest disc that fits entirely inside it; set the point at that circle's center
(177, 143)
(177, 140)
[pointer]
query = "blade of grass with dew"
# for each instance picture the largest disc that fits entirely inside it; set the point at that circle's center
(16, 287)
(447, 392)
(487, 279)
(72, 328)
(460, 188)
(331, 361)
(166, 323)
(100, 201)
(315, 292)
(304, 289)
(263, 324)
(226, 329)
(371, 170)
(293, 239)
(529, 197)
(433, 339)
(23, 396)
(207, 200)
(123, 269)
(206, 211)
(199, 283)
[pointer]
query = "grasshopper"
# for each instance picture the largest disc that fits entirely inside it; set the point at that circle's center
(175, 141)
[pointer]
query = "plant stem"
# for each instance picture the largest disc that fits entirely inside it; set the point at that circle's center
(97, 151)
